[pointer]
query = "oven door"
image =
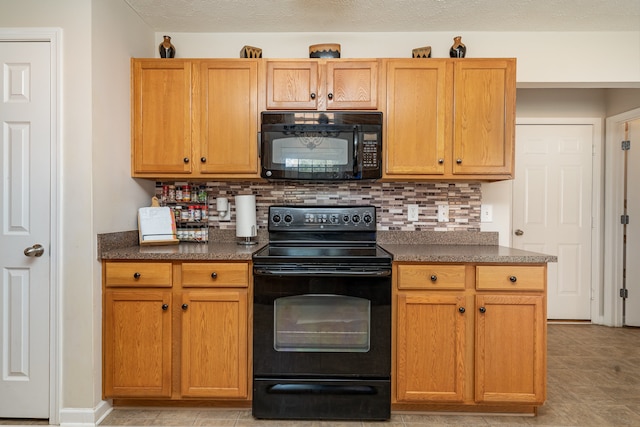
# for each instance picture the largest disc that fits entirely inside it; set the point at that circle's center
(322, 324)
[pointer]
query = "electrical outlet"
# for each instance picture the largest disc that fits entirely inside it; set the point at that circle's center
(443, 213)
(412, 212)
(486, 213)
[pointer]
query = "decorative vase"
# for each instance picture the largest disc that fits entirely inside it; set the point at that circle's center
(458, 50)
(167, 50)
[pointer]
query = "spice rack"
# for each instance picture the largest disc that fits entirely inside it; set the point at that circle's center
(190, 207)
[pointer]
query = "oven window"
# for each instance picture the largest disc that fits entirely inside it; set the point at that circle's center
(322, 323)
(311, 153)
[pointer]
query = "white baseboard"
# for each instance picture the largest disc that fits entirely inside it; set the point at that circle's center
(84, 417)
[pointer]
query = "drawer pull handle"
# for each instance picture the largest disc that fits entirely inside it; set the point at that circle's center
(482, 309)
(513, 279)
(214, 275)
(165, 307)
(185, 306)
(434, 278)
(136, 275)
(461, 309)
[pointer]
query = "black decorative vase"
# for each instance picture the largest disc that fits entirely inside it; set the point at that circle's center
(167, 50)
(458, 50)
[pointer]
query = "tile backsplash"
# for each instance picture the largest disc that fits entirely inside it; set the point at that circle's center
(390, 198)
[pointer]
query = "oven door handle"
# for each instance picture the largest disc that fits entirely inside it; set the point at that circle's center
(327, 272)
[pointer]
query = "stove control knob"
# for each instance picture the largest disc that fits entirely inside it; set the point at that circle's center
(346, 218)
(276, 218)
(367, 218)
(334, 219)
(356, 218)
(288, 218)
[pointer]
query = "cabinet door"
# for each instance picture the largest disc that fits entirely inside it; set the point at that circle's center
(228, 131)
(161, 116)
(484, 116)
(137, 343)
(418, 105)
(510, 349)
(214, 344)
(292, 85)
(430, 347)
(352, 85)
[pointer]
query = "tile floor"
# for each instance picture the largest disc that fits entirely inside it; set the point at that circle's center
(594, 380)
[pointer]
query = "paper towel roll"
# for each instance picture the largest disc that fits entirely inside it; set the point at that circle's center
(246, 216)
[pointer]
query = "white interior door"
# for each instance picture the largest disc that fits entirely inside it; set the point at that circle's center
(632, 268)
(552, 195)
(25, 156)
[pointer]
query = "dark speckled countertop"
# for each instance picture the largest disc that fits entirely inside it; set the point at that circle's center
(415, 246)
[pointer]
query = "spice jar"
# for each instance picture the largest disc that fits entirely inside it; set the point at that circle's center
(186, 193)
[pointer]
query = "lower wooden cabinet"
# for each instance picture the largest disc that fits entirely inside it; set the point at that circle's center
(137, 343)
(214, 343)
(510, 349)
(188, 341)
(430, 347)
(469, 335)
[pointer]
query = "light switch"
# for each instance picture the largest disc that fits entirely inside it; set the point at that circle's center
(486, 213)
(412, 212)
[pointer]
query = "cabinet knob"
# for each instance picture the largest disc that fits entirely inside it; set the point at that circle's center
(461, 309)
(203, 159)
(482, 309)
(513, 279)
(165, 307)
(330, 95)
(136, 275)
(214, 275)
(434, 278)
(186, 160)
(313, 95)
(440, 161)
(185, 306)
(459, 161)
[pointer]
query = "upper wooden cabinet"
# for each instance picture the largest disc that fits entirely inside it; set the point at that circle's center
(161, 109)
(194, 118)
(450, 119)
(322, 84)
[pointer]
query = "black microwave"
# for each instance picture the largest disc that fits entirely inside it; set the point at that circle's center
(321, 145)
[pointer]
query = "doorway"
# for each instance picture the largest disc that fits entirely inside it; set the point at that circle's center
(554, 210)
(28, 224)
(622, 270)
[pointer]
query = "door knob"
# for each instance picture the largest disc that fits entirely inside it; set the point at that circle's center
(519, 232)
(36, 250)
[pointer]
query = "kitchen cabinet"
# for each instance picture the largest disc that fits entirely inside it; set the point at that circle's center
(430, 333)
(469, 335)
(194, 119)
(322, 84)
(215, 330)
(510, 334)
(181, 334)
(449, 119)
(137, 329)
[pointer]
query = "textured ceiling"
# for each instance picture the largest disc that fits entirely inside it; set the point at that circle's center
(213, 16)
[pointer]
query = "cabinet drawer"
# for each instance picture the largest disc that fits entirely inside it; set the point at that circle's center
(218, 274)
(431, 276)
(151, 274)
(516, 277)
